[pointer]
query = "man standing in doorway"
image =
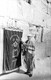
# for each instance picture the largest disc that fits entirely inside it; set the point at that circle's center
(29, 55)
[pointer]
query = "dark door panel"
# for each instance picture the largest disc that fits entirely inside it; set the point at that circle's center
(12, 49)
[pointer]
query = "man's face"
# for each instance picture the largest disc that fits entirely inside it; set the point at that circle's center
(29, 37)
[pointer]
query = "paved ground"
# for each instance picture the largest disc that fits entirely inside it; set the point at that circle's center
(41, 72)
(20, 76)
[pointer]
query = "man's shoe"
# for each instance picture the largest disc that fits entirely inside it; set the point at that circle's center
(30, 75)
(26, 72)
